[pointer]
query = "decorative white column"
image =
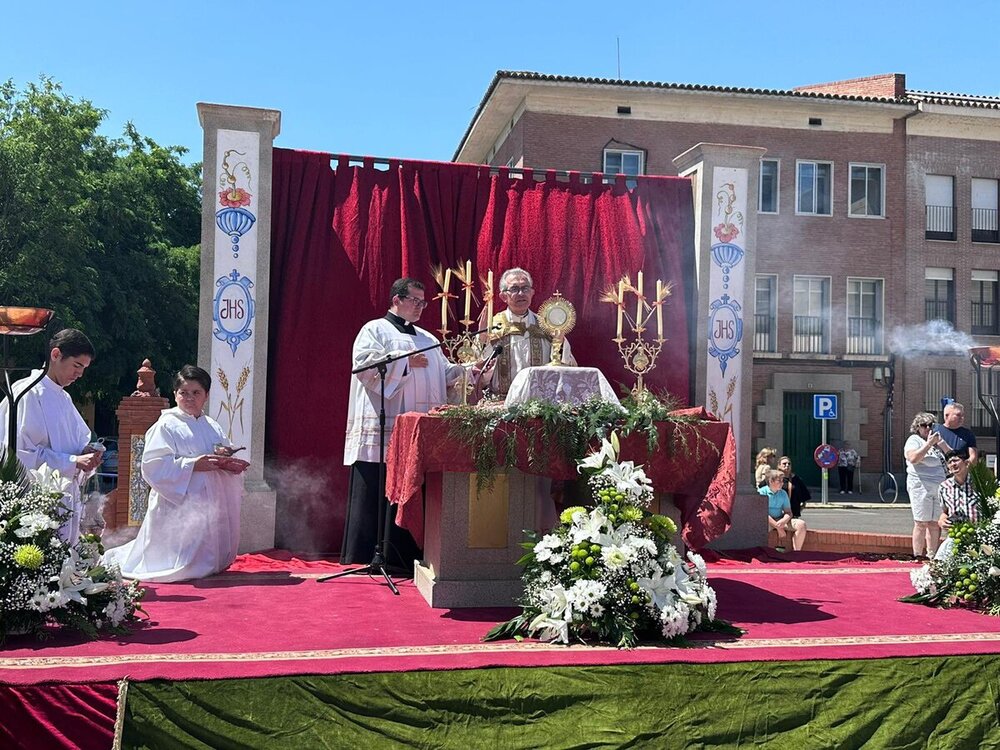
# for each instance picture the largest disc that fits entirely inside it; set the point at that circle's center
(724, 183)
(233, 306)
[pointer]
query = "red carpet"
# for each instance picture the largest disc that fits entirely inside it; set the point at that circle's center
(268, 616)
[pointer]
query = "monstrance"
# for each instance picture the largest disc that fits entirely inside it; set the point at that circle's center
(557, 317)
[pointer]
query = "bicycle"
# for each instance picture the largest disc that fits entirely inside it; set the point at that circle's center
(888, 488)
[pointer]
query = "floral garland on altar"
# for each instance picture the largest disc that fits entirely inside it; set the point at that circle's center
(43, 580)
(569, 428)
(609, 573)
(966, 572)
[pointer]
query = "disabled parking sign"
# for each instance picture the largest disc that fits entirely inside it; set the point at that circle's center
(825, 406)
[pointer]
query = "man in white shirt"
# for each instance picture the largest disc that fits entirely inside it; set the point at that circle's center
(50, 430)
(415, 383)
(523, 342)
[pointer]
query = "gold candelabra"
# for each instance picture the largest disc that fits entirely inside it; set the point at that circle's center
(639, 353)
(465, 345)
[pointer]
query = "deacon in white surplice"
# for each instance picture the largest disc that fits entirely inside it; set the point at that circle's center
(50, 430)
(192, 523)
(415, 383)
(522, 341)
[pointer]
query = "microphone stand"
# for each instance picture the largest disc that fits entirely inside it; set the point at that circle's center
(380, 556)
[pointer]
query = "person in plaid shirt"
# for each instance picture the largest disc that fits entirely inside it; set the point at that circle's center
(958, 496)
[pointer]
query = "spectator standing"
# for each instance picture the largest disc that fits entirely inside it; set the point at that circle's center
(846, 465)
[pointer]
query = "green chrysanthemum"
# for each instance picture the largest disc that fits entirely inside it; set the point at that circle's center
(29, 556)
(630, 513)
(663, 525)
(567, 515)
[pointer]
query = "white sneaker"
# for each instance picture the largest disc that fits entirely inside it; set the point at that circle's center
(842, 492)
(850, 492)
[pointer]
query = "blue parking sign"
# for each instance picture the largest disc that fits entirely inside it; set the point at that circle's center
(825, 406)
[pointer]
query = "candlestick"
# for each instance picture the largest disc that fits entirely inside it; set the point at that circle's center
(638, 312)
(468, 288)
(659, 309)
(489, 298)
(621, 306)
(444, 300)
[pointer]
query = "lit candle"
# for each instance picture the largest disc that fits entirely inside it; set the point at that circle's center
(444, 300)
(659, 309)
(468, 288)
(638, 307)
(621, 306)
(489, 298)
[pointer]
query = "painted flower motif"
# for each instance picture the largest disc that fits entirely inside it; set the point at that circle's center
(726, 232)
(234, 198)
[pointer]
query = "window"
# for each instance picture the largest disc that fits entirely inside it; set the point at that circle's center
(939, 198)
(765, 330)
(867, 190)
(768, 198)
(984, 211)
(981, 422)
(814, 186)
(618, 161)
(939, 294)
(811, 315)
(984, 303)
(938, 384)
(864, 316)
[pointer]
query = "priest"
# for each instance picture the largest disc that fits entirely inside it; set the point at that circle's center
(50, 430)
(418, 382)
(516, 333)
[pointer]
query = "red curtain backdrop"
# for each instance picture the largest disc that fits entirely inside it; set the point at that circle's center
(342, 233)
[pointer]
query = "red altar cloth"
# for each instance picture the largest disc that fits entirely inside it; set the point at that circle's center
(702, 479)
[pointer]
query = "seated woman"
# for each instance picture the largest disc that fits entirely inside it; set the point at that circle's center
(767, 459)
(192, 523)
(779, 512)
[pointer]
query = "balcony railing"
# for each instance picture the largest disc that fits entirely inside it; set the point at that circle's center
(809, 334)
(984, 318)
(940, 223)
(763, 333)
(938, 310)
(864, 336)
(984, 225)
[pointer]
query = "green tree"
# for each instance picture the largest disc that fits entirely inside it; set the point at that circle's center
(102, 230)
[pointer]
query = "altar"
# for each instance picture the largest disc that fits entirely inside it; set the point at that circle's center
(472, 538)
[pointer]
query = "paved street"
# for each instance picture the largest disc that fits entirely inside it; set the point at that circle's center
(839, 516)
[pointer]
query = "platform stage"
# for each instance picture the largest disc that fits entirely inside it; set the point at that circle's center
(263, 655)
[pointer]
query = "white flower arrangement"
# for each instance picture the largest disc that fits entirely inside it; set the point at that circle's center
(44, 581)
(610, 573)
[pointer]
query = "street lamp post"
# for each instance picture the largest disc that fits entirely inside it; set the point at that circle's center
(884, 376)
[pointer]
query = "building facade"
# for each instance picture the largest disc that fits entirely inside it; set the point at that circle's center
(877, 247)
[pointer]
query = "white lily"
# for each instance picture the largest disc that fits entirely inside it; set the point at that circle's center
(659, 587)
(50, 480)
(554, 602)
(628, 478)
(591, 527)
(550, 629)
(993, 571)
(596, 460)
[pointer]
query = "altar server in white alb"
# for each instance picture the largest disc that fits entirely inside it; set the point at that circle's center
(522, 341)
(418, 382)
(192, 523)
(50, 430)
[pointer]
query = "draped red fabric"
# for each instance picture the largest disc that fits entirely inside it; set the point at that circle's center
(75, 716)
(343, 232)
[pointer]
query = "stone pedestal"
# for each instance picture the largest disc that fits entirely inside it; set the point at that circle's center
(749, 527)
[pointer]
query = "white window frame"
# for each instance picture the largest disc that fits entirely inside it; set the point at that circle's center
(850, 196)
(773, 312)
(623, 152)
(827, 313)
(777, 190)
(879, 313)
(798, 191)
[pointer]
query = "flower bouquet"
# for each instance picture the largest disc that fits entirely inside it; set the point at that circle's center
(609, 573)
(966, 572)
(44, 581)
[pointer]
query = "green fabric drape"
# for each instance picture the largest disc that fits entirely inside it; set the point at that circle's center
(929, 702)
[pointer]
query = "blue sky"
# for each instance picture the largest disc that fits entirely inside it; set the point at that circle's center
(386, 78)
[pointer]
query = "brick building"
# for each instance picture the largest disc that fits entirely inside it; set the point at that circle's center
(877, 212)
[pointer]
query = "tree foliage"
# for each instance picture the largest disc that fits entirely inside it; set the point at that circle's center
(102, 230)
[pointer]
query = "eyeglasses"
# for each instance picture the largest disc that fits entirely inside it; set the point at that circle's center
(956, 460)
(518, 289)
(928, 424)
(421, 303)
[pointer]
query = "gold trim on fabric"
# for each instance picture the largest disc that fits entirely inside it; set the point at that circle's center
(120, 713)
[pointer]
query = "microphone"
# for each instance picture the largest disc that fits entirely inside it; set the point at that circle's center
(497, 349)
